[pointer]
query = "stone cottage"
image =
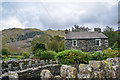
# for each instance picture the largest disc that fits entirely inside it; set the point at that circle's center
(86, 41)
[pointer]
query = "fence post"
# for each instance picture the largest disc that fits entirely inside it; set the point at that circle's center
(21, 66)
(36, 63)
(30, 64)
(46, 62)
(51, 62)
(10, 66)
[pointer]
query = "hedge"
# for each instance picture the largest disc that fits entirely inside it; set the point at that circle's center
(77, 56)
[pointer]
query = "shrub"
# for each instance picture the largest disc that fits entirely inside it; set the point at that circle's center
(40, 46)
(98, 56)
(53, 45)
(115, 46)
(4, 52)
(56, 43)
(77, 56)
(45, 54)
(4, 57)
(25, 54)
(48, 55)
(72, 57)
(38, 53)
(61, 46)
(109, 53)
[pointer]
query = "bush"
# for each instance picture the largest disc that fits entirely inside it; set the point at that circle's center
(115, 46)
(4, 57)
(38, 53)
(4, 52)
(45, 54)
(48, 55)
(98, 56)
(77, 56)
(109, 53)
(25, 54)
(72, 57)
(56, 43)
(53, 45)
(61, 46)
(40, 46)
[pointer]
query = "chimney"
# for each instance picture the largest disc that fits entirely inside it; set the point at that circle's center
(97, 30)
(66, 31)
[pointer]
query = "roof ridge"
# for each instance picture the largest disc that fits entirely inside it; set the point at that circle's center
(84, 35)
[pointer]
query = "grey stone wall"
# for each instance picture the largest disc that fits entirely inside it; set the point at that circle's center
(27, 69)
(23, 64)
(31, 73)
(86, 45)
(108, 69)
(35, 72)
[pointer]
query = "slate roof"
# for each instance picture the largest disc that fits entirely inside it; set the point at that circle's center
(84, 35)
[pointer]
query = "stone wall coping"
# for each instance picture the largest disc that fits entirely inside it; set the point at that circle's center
(28, 69)
(36, 68)
(7, 61)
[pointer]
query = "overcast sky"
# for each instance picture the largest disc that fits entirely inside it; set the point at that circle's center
(59, 14)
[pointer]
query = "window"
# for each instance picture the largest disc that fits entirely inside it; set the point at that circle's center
(74, 43)
(98, 42)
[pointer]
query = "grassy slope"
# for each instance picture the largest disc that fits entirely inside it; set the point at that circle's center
(19, 40)
(55, 32)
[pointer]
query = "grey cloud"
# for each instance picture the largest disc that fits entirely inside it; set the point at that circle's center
(62, 15)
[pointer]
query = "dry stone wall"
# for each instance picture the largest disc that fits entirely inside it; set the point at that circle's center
(24, 64)
(106, 69)
(27, 68)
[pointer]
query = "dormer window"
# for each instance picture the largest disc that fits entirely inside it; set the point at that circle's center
(74, 43)
(98, 42)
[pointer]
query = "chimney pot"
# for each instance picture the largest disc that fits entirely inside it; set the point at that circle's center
(97, 30)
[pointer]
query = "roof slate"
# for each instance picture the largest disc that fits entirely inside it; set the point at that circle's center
(84, 35)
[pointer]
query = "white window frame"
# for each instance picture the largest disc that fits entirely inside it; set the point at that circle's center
(73, 43)
(99, 42)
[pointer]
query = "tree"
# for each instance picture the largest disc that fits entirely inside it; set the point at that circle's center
(40, 46)
(57, 38)
(56, 43)
(115, 45)
(5, 52)
(53, 45)
(61, 46)
(112, 35)
(40, 38)
(25, 54)
(76, 28)
(108, 29)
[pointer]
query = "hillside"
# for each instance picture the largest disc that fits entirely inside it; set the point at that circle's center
(19, 40)
(55, 32)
